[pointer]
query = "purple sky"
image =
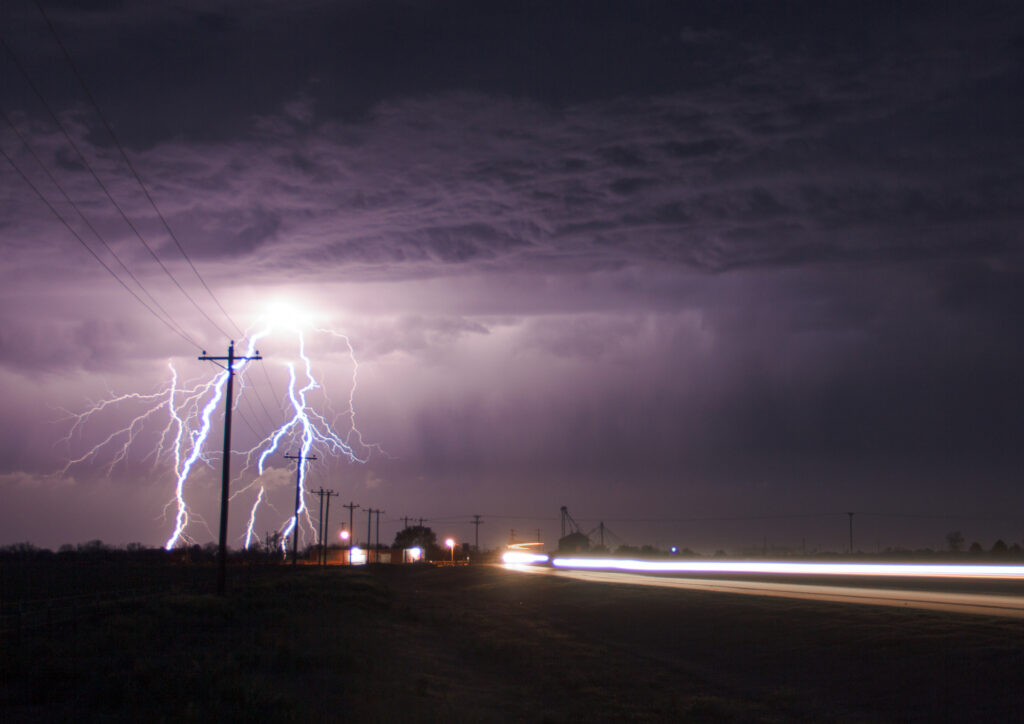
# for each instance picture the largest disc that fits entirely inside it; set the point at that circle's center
(715, 273)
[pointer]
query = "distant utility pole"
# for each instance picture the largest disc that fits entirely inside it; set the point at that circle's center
(405, 521)
(322, 558)
(476, 534)
(222, 550)
(378, 512)
(369, 531)
(851, 532)
(351, 531)
(327, 514)
(298, 500)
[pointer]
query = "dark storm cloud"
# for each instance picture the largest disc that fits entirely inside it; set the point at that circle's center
(847, 135)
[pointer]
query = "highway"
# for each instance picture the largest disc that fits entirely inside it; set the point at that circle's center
(971, 592)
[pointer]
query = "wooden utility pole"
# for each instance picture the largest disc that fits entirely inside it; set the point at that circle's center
(327, 515)
(378, 512)
(298, 501)
(225, 483)
(351, 531)
(476, 537)
(322, 553)
(369, 532)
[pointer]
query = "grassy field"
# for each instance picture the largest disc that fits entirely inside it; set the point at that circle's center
(480, 644)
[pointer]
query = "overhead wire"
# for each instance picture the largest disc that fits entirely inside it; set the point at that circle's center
(53, 116)
(131, 167)
(88, 248)
(145, 190)
(103, 186)
(24, 142)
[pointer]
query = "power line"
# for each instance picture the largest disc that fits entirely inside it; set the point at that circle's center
(259, 398)
(95, 232)
(103, 187)
(93, 253)
(131, 167)
(118, 207)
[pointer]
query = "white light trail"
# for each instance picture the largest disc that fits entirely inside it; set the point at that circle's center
(519, 558)
(796, 568)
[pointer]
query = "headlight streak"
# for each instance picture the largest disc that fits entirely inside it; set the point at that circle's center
(521, 558)
(183, 439)
(795, 568)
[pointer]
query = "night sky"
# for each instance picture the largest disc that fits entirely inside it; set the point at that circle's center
(714, 273)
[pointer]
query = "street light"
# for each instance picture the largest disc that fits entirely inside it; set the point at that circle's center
(451, 544)
(343, 534)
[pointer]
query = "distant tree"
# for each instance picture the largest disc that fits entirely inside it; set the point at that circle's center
(1015, 550)
(955, 541)
(272, 545)
(975, 549)
(999, 549)
(417, 536)
(23, 550)
(135, 547)
(94, 546)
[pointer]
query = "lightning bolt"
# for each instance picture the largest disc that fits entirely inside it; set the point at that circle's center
(252, 518)
(187, 411)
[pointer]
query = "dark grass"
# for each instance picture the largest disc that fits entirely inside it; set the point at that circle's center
(479, 644)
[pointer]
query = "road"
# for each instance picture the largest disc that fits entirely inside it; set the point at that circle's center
(899, 592)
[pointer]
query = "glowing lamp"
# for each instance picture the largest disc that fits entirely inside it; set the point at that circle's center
(450, 542)
(343, 535)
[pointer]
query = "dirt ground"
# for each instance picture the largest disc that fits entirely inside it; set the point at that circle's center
(520, 647)
(482, 644)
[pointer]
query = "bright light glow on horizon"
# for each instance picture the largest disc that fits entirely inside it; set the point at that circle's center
(787, 568)
(518, 558)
